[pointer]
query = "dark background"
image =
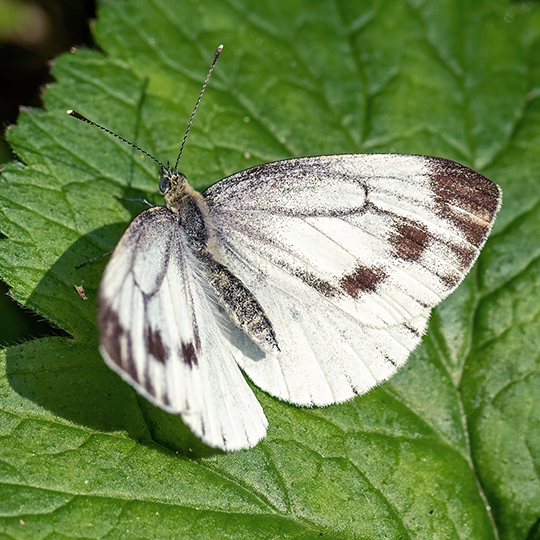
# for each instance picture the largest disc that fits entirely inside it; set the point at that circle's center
(32, 33)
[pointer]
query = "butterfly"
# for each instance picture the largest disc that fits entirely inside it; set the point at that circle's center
(314, 276)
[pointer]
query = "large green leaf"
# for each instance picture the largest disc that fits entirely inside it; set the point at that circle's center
(450, 447)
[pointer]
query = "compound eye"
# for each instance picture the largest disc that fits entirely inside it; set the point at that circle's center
(164, 183)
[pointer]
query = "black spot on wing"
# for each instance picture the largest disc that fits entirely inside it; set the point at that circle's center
(110, 330)
(409, 240)
(155, 345)
(113, 334)
(465, 198)
(188, 354)
(148, 383)
(362, 279)
(165, 399)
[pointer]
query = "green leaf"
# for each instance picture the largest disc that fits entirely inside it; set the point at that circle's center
(450, 447)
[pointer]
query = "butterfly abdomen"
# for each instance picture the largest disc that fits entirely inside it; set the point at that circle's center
(241, 306)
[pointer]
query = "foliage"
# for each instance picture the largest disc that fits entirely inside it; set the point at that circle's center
(450, 447)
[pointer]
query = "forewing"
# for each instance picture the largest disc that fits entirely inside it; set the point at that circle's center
(347, 255)
(160, 330)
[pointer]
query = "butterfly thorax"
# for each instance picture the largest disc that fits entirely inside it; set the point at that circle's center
(175, 188)
(194, 218)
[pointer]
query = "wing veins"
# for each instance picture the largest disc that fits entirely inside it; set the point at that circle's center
(460, 238)
(417, 261)
(377, 238)
(395, 267)
(390, 263)
(253, 268)
(329, 237)
(381, 302)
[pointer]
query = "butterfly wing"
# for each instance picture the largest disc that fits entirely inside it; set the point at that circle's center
(160, 331)
(347, 255)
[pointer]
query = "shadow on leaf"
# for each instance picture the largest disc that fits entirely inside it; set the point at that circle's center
(67, 376)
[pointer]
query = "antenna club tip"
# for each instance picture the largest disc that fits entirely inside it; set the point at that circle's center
(75, 114)
(220, 48)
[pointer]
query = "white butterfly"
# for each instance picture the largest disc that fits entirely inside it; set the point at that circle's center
(316, 276)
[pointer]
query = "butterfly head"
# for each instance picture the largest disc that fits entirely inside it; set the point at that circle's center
(174, 186)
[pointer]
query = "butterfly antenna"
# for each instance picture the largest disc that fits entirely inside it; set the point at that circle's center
(216, 56)
(79, 116)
